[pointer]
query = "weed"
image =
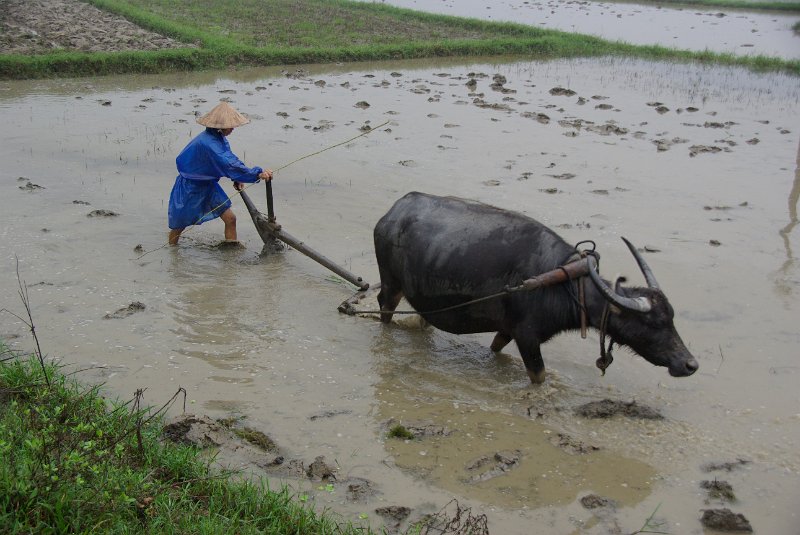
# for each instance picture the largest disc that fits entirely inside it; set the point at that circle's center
(398, 431)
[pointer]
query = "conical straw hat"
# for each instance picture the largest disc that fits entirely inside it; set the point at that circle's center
(223, 116)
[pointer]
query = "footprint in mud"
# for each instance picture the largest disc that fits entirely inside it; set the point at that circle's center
(489, 467)
(359, 490)
(393, 514)
(230, 245)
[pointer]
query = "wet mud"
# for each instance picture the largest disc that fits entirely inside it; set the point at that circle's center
(45, 26)
(255, 338)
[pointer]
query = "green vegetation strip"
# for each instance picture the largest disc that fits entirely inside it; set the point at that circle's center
(72, 463)
(243, 33)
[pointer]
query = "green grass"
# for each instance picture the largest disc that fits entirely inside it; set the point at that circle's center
(74, 463)
(399, 431)
(240, 33)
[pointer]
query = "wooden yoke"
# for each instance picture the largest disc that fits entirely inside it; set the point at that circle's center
(573, 270)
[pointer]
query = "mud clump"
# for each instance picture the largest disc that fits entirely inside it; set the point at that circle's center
(725, 520)
(726, 466)
(320, 470)
(606, 408)
(102, 213)
(199, 431)
(562, 92)
(571, 445)
(124, 312)
(694, 150)
(256, 438)
(719, 490)
(594, 501)
(28, 186)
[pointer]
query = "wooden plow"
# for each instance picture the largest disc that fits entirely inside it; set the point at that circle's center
(269, 230)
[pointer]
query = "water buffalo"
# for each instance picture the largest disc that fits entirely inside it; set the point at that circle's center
(444, 251)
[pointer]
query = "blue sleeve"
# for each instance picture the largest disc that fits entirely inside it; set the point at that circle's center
(229, 165)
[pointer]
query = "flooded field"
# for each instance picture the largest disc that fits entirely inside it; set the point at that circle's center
(697, 165)
(726, 30)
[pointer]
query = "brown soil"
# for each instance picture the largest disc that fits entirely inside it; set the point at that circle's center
(43, 26)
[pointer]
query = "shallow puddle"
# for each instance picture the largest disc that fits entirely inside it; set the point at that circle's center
(697, 165)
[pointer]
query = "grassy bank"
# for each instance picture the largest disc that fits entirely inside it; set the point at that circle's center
(73, 463)
(240, 33)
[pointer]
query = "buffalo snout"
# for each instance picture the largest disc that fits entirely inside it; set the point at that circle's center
(684, 368)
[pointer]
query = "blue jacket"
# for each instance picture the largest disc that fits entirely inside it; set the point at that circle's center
(197, 196)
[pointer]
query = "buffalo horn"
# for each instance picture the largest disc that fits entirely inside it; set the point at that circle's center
(634, 304)
(646, 271)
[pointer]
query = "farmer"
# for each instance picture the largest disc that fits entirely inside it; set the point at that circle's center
(197, 196)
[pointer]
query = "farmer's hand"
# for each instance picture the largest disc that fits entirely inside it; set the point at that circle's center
(265, 175)
(238, 186)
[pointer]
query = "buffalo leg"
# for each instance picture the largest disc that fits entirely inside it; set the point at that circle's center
(532, 357)
(388, 300)
(500, 341)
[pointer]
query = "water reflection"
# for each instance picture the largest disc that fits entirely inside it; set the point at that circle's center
(207, 324)
(783, 281)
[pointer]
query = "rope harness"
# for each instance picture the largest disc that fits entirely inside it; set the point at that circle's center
(606, 358)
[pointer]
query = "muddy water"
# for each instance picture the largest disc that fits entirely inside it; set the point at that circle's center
(719, 30)
(258, 336)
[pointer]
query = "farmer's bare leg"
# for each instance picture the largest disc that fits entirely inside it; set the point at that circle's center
(229, 218)
(174, 234)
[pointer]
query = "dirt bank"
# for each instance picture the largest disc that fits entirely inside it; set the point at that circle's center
(41, 26)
